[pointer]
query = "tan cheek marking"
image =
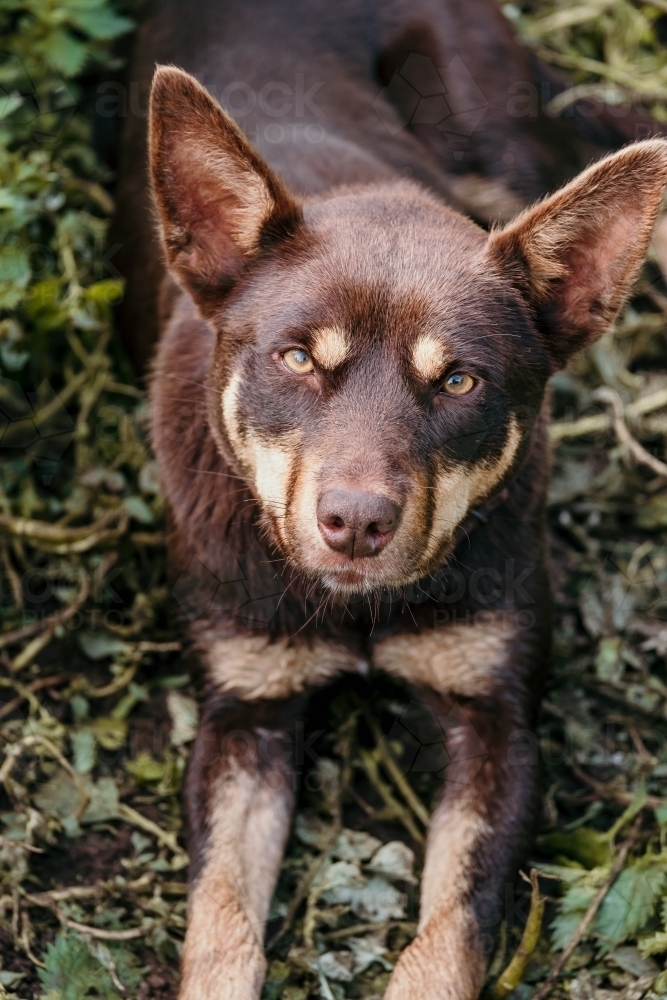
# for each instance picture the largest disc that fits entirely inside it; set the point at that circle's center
(273, 468)
(252, 667)
(230, 418)
(268, 465)
(302, 517)
(487, 476)
(331, 346)
(459, 658)
(457, 490)
(452, 503)
(428, 357)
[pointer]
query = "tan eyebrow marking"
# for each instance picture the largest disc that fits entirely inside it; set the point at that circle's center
(331, 346)
(428, 356)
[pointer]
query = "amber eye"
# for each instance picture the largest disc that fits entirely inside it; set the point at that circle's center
(297, 360)
(458, 384)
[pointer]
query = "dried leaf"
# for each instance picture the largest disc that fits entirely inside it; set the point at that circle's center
(184, 713)
(355, 845)
(395, 860)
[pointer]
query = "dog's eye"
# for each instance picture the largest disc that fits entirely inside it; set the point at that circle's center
(297, 360)
(458, 384)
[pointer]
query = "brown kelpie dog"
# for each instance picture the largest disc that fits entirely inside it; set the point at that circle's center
(348, 414)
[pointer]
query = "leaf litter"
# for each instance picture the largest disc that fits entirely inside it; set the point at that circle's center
(98, 706)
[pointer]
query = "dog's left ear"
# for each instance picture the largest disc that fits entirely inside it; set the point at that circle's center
(575, 255)
(218, 203)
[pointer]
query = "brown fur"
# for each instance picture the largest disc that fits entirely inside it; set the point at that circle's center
(349, 253)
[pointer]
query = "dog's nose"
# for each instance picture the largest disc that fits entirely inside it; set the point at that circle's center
(357, 522)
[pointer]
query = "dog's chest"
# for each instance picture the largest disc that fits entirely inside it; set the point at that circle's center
(464, 659)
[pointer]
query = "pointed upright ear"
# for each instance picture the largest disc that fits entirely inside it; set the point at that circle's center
(218, 203)
(575, 255)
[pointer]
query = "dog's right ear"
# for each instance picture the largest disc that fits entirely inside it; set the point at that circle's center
(219, 204)
(575, 255)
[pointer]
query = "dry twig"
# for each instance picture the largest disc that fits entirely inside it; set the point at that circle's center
(511, 977)
(50, 622)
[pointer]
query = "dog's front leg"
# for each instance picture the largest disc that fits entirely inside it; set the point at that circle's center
(478, 832)
(239, 796)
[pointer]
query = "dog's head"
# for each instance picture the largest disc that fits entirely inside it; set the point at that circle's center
(380, 360)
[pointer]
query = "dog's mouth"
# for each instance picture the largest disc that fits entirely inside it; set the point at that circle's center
(375, 576)
(341, 572)
(401, 561)
(353, 576)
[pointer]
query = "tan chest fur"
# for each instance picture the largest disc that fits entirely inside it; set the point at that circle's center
(252, 667)
(459, 658)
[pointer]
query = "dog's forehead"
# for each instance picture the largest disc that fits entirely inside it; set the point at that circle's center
(400, 234)
(378, 266)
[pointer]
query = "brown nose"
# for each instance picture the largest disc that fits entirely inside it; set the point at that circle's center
(356, 522)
